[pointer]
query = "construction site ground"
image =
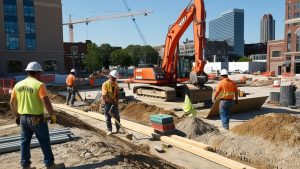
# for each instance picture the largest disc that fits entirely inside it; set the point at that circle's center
(266, 138)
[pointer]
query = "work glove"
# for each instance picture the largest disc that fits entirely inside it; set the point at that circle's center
(18, 121)
(236, 101)
(53, 119)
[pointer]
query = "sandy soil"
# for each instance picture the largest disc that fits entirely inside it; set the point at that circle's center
(267, 141)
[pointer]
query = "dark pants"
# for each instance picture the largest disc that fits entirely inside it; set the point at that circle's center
(42, 134)
(224, 108)
(71, 95)
(114, 112)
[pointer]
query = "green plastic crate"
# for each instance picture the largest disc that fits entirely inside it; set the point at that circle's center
(163, 119)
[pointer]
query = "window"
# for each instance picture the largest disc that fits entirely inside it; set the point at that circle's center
(297, 15)
(11, 24)
(29, 27)
(30, 44)
(28, 11)
(50, 66)
(276, 53)
(14, 66)
(297, 57)
(12, 41)
(11, 27)
(10, 9)
(288, 57)
(289, 40)
(298, 41)
(297, 5)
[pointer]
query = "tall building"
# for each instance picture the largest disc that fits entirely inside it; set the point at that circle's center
(229, 27)
(31, 30)
(283, 56)
(267, 28)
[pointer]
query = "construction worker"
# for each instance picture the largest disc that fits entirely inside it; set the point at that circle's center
(226, 92)
(92, 80)
(110, 97)
(71, 87)
(28, 99)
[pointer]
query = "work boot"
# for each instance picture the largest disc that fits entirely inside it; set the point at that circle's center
(56, 166)
(109, 133)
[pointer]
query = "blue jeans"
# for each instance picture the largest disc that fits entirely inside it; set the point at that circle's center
(224, 108)
(114, 112)
(71, 95)
(42, 134)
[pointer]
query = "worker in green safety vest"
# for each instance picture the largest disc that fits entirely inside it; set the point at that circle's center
(28, 99)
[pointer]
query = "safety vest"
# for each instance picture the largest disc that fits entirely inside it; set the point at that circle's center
(27, 93)
(112, 89)
(227, 89)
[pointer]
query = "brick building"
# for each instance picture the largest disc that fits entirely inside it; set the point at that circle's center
(30, 30)
(283, 56)
(74, 55)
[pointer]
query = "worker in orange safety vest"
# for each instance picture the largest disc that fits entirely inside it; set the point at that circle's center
(227, 93)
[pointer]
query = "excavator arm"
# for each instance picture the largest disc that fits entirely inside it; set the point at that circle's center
(195, 13)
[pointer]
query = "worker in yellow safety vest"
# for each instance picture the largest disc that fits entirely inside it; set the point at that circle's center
(28, 99)
(227, 93)
(110, 97)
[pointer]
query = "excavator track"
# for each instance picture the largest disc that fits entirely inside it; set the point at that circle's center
(162, 93)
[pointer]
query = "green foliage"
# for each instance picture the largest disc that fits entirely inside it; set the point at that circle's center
(152, 55)
(140, 54)
(93, 59)
(120, 57)
(245, 59)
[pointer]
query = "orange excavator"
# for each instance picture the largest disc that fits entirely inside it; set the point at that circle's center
(166, 81)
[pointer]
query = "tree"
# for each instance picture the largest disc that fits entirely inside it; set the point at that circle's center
(121, 58)
(93, 59)
(151, 55)
(245, 59)
(105, 52)
(145, 54)
(136, 54)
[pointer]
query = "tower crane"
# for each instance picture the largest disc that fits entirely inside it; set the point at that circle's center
(98, 18)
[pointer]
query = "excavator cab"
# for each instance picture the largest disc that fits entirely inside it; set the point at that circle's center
(185, 65)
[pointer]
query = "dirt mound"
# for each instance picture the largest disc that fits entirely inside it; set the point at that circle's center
(195, 127)
(5, 112)
(140, 112)
(55, 97)
(277, 128)
(4, 98)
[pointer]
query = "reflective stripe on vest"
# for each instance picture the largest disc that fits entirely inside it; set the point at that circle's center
(27, 92)
(225, 94)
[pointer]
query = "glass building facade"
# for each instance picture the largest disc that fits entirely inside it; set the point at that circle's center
(229, 27)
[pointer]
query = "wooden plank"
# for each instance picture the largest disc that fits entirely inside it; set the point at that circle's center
(245, 104)
(191, 146)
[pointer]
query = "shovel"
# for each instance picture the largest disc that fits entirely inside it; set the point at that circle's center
(128, 135)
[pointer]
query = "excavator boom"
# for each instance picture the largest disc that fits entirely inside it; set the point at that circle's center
(166, 77)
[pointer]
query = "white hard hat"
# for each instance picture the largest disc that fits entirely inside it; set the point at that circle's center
(34, 66)
(114, 73)
(73, 70)
(224, 72)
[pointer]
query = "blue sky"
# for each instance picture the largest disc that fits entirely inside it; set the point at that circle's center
(122, 32)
